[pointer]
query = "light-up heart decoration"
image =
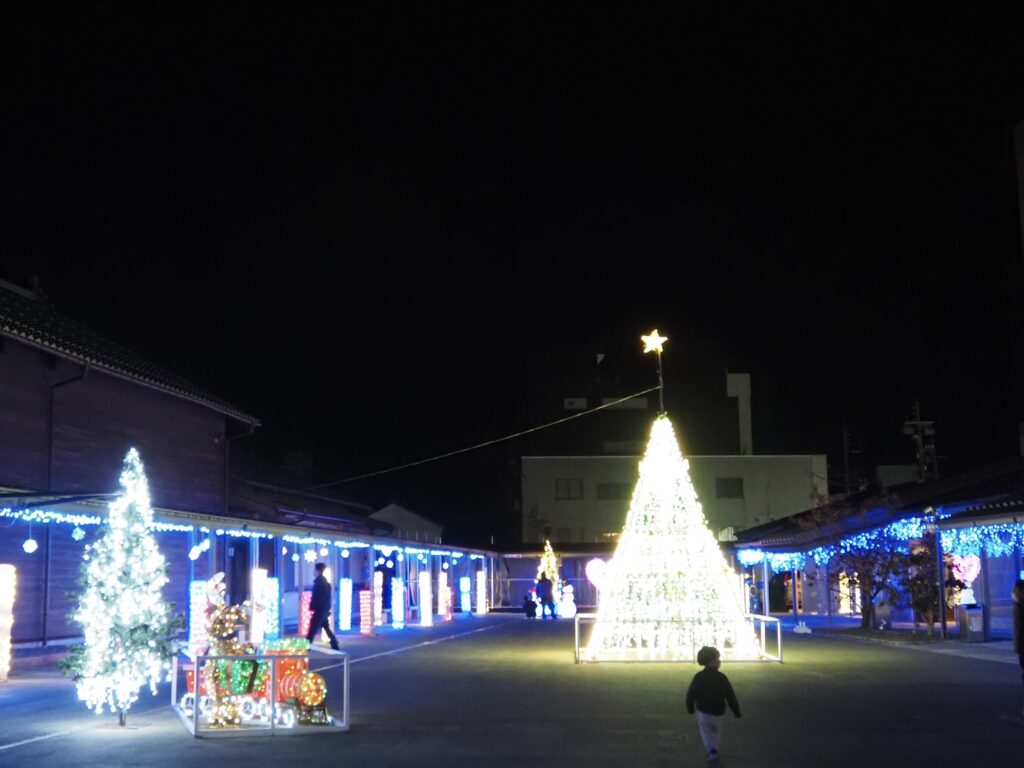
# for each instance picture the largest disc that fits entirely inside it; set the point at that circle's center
(596, 570)
(966, 568)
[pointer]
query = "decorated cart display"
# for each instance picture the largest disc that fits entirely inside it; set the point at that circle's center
(239, 686)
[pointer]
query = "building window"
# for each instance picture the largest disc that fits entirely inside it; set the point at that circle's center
(570, 488)
(729, 487)
(614, 490)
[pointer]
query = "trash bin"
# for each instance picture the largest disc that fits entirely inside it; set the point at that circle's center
(883, 616)
(972, 623)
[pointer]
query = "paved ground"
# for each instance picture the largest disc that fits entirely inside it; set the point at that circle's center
(504, 690)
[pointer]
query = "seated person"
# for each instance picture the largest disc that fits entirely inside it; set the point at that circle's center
(529, 606)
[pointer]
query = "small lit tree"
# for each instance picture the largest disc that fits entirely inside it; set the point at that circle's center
(128, 627)
(548, 564)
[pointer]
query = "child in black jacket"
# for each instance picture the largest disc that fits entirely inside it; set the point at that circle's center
(709, 692)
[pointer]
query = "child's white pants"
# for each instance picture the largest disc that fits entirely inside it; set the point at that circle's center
(710, 730)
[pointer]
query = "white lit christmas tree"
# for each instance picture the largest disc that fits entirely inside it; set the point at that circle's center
(668, 590)
(127, 625)
(548, 564)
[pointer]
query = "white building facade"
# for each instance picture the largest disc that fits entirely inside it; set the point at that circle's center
(584, 499)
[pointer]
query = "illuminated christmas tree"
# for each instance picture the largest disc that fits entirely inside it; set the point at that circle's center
(668, 591)
(548, 564)
(127, 625)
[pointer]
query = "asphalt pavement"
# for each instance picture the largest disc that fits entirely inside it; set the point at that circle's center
(504, 690)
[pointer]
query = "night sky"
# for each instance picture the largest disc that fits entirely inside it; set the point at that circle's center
(359, 227)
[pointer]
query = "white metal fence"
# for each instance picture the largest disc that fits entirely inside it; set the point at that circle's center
(758, 623)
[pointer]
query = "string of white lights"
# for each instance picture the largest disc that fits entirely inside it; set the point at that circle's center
(481, 445)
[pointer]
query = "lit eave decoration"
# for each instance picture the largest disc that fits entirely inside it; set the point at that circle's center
(994, 539)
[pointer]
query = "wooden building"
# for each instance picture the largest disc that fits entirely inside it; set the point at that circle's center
(71, 405)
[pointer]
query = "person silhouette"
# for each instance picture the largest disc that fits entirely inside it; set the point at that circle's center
(320, 605)
(546, 595)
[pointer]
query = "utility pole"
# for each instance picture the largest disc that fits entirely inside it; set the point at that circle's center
(846, 458)
(923, 434)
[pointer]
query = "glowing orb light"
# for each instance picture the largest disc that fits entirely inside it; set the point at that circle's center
(596, 570)
(312, 689)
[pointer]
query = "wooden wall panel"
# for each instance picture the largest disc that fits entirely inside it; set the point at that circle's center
(24, 390)
(28, 598)
(65, 577)
(95, 421)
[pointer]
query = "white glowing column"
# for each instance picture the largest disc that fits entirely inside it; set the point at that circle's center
(258, 620)
(305, 613)
(345, 605)
(426, 600)
(197, 602)
(378, 598)
(8, 587)
(365, 612)
(465, 594)
(444, 596)
(668, 590)
(397, 602)
(272, 601)
(481, 591)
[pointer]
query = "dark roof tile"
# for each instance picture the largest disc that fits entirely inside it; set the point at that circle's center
(32, 320)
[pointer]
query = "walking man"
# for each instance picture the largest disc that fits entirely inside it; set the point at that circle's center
(320, 605)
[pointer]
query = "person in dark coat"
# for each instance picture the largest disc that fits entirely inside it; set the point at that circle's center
(1018, 621)
(546, 595)
(529, 606)
(709, 692)
(320, 605)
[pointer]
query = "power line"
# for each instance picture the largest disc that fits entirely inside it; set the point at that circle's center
(480, 445)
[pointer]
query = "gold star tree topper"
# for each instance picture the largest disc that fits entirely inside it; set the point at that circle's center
(652, 342)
